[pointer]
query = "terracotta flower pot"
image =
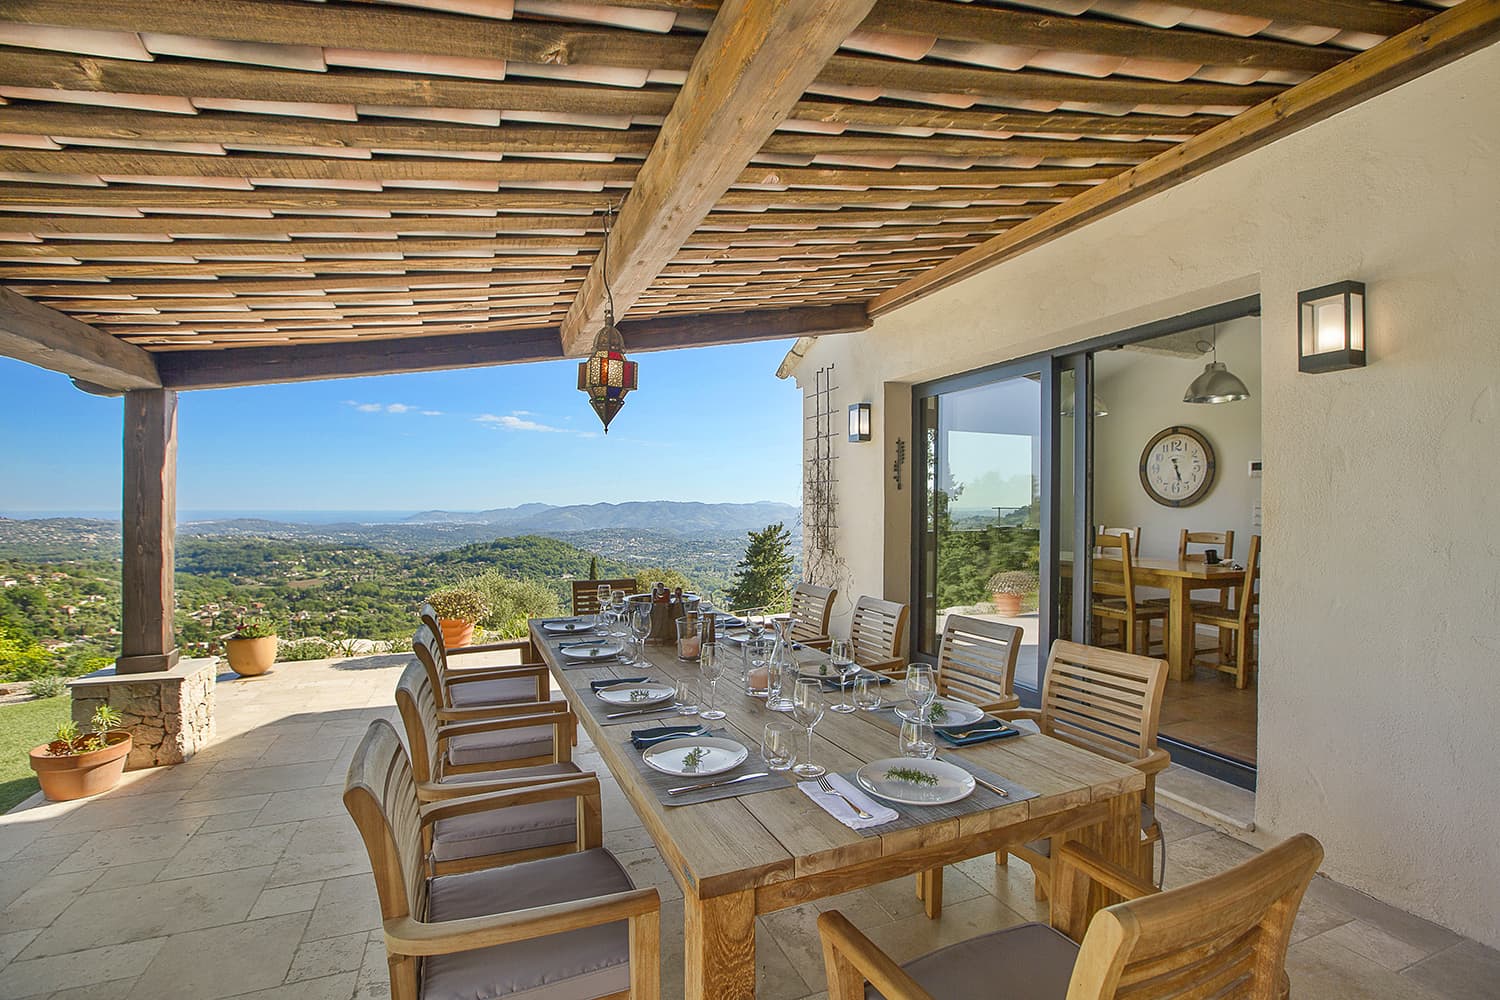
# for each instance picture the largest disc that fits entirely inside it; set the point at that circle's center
(1007, 605)
(251, 657)
(456, 633)
(77, 776)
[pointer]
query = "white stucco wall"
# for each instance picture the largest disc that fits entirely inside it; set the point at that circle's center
(1380, 686)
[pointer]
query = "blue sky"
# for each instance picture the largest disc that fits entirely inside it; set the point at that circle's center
(711, 424)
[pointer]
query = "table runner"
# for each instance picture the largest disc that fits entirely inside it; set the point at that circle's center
(659, 782)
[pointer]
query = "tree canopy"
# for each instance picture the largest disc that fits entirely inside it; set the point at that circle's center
(763, 578)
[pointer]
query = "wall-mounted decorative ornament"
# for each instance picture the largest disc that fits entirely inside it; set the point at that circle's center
(900, 461)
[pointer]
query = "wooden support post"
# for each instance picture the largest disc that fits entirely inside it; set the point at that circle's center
(149, 520)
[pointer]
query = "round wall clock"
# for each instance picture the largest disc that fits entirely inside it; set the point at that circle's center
(1177, 467)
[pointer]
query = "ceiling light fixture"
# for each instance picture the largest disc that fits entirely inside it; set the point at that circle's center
(607, 375)
(1217, 384)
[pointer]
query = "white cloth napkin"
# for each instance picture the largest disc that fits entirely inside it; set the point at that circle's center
(839, 809)
(1025, 727)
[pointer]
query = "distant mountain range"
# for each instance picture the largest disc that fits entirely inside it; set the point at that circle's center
(671, 517)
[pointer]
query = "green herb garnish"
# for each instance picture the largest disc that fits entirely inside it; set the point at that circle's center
(911, 776)
(694, 758)
(936, 712)
(639, 695)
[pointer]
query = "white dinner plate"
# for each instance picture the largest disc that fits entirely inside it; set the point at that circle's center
(955, 712)
(950, 783)
(717, 755)
(568, 627)
(641, 693)
(604, 649)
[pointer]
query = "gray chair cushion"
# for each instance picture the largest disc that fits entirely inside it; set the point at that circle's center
(495, 692)
(539, 771)
(497, 747)
(499, 831)
(576, 965)
(1044, 847)
(1029, 962)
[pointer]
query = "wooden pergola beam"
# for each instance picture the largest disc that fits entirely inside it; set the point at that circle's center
(1447, 36)
(751, 70)
(46, 338)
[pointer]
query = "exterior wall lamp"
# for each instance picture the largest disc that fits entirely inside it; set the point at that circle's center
(859, 421)
(1331, 327)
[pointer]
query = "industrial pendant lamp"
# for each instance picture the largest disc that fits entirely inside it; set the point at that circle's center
(1217, 384)
(607, 375)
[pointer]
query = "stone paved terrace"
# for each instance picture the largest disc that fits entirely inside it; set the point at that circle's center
(238, 874)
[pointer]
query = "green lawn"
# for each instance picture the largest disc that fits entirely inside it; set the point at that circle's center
(22, 727)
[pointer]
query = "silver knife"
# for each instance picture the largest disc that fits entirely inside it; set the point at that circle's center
(642, 711)
(714, 784)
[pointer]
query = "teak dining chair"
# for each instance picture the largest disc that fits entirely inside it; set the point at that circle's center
(1134, 534)
(1241, 621)
(1225, 937)
(525, 651)
(1116, 600)
(877, 634)
(811, 606)
(1108, 703)
(500, 931)
(477, 690)
(586, 593)
(977, 662)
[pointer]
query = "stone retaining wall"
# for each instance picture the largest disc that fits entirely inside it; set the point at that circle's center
(170, 713)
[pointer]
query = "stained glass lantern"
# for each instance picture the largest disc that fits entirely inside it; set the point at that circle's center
(607, 376)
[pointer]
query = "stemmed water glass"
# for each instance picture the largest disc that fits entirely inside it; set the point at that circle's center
(640, 627)
(617, 605)
(807, 709)
(713, 669)
(841, 658)
(755, 623)
(921, 688)
(602, 611)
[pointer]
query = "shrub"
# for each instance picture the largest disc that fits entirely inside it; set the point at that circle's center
(256, 627)
(510, 601)
(461, 604)
(48, 687)
(1017, 582)
(295, 650)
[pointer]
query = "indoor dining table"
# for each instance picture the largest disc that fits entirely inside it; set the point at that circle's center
(739, 857)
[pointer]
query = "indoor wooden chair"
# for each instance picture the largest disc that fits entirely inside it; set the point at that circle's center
(586, 593)
(877, 634)
(501, 931)
(538, 830)
(1240, 622)
(1117, 600)
(1108, 703)
(478, 689)
(1134, 534)
(977, 662)
(811, 607)
(1225, 937)
(1215, 598)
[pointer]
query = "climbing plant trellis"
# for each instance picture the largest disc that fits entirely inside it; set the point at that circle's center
(820, 558)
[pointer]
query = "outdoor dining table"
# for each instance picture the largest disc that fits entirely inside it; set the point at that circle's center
(1179, 578)
(736, 858)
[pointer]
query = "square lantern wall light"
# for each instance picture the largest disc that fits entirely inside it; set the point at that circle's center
(859, 421)
(1331, 327)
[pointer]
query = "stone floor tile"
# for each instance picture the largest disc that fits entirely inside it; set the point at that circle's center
(1196, 858)
(286, 899)
(114, 916)
(281, 778)
(12, 943)
(340, 987)
(107, 812)
(110, 964)
(222, 961)
(1323, 969)
(910, 937)
(344, 905)
(116, 987)
(250, 847)
(41, 904)
(776, 978)
(647, 870)
(321, 849)
(127, 845)
(374, 977)
(59, 843)
(16, 877)
(121, 876)
(300, 804)
(1422, 934)
(220, 807)
(1375, 944)
(1467, 971)
(795, 932)
(222, 822)
(328, 956)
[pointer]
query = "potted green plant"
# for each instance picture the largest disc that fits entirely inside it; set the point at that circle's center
(251, 647)
(1007, 590)
(78, 764)
(458, 610)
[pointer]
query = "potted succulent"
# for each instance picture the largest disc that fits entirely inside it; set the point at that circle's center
(78, 764)
(1009, 588)
(458, 610)
(251, 647)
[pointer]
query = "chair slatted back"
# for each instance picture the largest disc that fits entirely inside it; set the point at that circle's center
(430, 619)
(1221, 540)
(381, 797)
(586, 593)
(1115, 549)
(1223, 937)
(977, 662)
(811, 606)
(428, 645)
(1249, 594)
(1103, 700)
(1134, 534)
(878, 630)
(418, 707)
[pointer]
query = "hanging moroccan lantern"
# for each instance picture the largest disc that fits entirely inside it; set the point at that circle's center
(607, 376)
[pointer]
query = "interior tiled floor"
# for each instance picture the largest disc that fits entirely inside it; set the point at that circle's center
(238, 874)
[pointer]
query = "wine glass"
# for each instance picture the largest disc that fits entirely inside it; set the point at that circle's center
(617, 604)
(713, 668)
(841, 658)
(807, 708)
(921, 687)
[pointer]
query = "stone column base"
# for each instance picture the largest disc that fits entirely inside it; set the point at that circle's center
(169, 713)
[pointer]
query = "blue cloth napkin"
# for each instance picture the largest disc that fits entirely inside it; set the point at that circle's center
(610, 682)
(643, 738)
(979, 732)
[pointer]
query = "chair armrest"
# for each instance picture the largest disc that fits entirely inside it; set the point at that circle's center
(561, 722)
(522, 645)
(1153, 763)
(851, 960)
(1012, 714)
(406, 936)
(575, 786)
(886, 666)
(1075, 869)
(503, 710)
(435, 791)
(466, 675)
(821, 642)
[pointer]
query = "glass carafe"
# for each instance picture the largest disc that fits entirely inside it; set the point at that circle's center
(783, 668)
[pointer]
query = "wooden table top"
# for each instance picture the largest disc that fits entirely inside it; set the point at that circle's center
(1182, 568)
(733, 844)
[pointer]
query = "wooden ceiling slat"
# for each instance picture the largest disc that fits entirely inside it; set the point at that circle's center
(63, 225)
(197, 272)
(230, 286)
(148, 197)
(854, 144)
(378, 28)
(419, 298)
(1380, 17)
(100, 250)
(981, 119)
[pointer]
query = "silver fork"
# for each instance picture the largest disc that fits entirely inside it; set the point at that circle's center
(827, 786)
